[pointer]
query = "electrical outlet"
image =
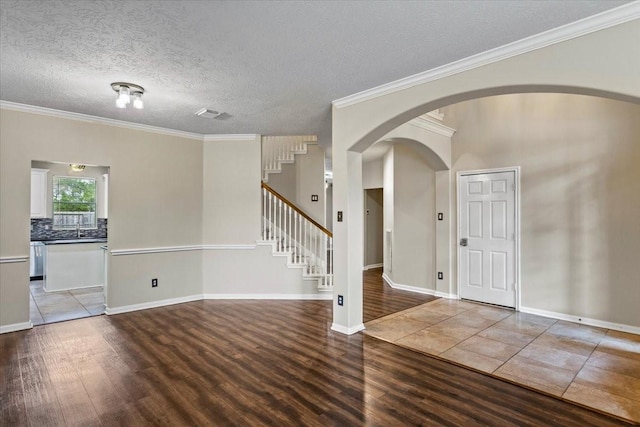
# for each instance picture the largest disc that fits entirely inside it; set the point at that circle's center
(340, 300)
(440, 275)
(339, 216)
(314, 197)
(154, 283)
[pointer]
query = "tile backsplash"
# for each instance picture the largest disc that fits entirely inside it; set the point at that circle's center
(42, 229)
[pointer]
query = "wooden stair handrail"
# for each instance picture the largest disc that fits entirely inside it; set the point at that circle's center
(297, 209)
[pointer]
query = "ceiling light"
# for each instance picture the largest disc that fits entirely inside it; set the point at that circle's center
(137, 100)
(77, 168)
(208, 114)
(125, 92)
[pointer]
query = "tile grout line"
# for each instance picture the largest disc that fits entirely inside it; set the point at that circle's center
(585, 362)
(37, 307)
(527, 345)
(81, 305)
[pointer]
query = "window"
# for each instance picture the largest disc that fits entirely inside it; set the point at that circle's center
(74, 202)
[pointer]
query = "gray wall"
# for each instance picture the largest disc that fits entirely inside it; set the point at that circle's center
(409, 200)
(299, 180)
(155, 200)
(374, 224)
(580, 189)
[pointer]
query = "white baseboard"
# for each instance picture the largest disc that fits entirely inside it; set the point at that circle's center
(372, 266)
(409, 288)
(71, 289)
(15, 327)
(418, 290)
(322, 296)
(152, 304)
(582, 320)
(446, 295)
(345, 330)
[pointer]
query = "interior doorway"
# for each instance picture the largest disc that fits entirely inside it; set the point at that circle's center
(68, 234)
(488, 236)
(373, 228)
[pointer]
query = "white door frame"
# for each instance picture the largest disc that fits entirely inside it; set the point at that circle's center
(516, 171)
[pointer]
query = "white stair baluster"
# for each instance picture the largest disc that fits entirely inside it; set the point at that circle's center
(264, 214)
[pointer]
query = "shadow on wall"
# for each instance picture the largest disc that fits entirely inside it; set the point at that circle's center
(580, 236)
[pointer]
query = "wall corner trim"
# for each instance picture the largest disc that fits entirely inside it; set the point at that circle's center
(15, 327)
(138, 251)
(13, 259)
(431, 125)
(609, 18)
(228, 247)
(582, 320)
(347, 331)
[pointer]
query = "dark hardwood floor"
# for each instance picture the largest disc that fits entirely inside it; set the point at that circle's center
(380, 299)
(247, 363)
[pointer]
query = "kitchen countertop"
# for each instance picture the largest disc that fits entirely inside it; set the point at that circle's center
(73, 241)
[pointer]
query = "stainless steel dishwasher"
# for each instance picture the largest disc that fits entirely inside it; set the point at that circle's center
(36, 260)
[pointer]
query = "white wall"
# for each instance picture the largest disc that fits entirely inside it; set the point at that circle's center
(155, 201)
(372, 173)
(580, 188)
(299, 180)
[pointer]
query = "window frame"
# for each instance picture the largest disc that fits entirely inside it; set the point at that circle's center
(94, 225)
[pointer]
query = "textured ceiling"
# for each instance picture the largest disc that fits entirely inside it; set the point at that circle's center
(273, 66)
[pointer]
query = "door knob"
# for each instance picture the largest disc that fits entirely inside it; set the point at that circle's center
(464, 241)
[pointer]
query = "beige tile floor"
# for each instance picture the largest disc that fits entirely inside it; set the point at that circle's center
(50, 307)
(595, 367)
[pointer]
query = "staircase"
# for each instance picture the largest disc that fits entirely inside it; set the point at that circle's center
(293, 234)
(277, 150)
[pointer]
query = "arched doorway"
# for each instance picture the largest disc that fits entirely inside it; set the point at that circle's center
(567, 67)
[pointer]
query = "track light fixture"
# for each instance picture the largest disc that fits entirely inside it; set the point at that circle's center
(125, 92)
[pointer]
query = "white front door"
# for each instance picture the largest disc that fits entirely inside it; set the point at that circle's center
(487, 238)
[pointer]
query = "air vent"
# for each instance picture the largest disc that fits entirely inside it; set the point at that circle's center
(208, 114)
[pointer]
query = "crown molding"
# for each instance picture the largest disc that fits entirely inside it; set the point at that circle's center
(95, 119)
(607, 19)
(8, 105)
(431, 125)
(230, 137)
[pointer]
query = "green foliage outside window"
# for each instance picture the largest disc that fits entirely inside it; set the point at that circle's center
(74, 202)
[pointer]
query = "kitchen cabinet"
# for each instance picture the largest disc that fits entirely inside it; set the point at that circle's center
(39, 193)
(73, 266)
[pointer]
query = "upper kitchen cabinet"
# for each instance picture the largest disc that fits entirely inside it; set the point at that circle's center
(39, 193)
